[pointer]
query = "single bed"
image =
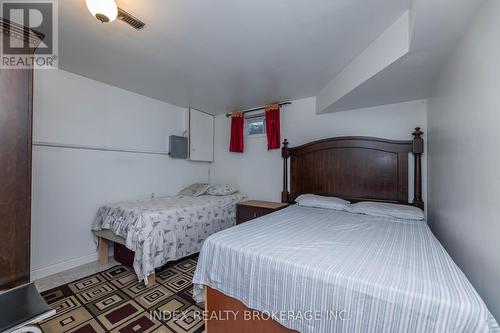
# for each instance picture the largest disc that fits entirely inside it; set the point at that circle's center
(164, 229)
(320, 270)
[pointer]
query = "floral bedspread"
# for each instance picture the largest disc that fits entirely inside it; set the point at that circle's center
(165, 229)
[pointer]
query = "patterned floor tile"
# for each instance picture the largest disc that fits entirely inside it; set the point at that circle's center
(66, 304)
(179, 282)
(66, 321)
(119, 315)
(91, 326)
(115, 301)
(86, 283)
(56, 294)
(95, 292)
(187, 293)
(110, 301)
(135, 289)
(165, 275)
(187, 266)
(191, 321)
(171, 307)
(115, 272)
(142, 323)
(124, 280)
(154, 296)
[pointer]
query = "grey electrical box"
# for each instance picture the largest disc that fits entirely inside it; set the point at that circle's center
(178, 147)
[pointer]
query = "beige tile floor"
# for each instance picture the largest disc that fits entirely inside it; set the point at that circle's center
(71, 275)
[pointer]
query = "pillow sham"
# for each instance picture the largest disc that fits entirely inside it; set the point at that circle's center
(221, 190)
(194, 190)
(387, 210)
(318, 201)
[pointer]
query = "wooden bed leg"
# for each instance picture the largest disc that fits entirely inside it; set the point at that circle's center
(103, 251)
(151, 280)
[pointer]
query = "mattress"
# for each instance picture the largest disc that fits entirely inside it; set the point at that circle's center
(319, 270)
(165, 229)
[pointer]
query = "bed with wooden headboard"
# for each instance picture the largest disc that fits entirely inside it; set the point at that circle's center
(388, 273)
(352, 168)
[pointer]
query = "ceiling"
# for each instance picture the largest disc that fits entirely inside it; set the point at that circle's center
(226, 55)
(435, 32)
(223, 55)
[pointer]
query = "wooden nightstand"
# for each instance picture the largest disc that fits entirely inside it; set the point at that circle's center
(249, 210)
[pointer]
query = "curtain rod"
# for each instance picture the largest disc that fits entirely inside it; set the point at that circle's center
(258, 109)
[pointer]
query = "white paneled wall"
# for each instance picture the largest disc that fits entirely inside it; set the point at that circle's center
(70, 184)
(201, 136)
(464, 159)
(258, 172)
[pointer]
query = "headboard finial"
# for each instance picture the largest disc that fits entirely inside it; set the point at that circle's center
(284, 150)
(285, 153)
(418, 150)
(418, 133)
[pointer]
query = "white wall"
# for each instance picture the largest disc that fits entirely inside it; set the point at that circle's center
(390, 46)
(464, 159)
(258, 172)
(70, 184)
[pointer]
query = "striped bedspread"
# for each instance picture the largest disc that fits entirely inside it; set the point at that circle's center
(318, 270)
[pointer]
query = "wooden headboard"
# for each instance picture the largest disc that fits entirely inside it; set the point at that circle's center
(355, 169)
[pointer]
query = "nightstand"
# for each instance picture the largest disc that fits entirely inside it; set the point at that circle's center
(249, 210)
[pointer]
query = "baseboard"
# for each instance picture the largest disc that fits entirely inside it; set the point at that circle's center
(62, 266)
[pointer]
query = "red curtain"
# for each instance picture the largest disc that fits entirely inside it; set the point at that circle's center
(237, 123)
(273, 126)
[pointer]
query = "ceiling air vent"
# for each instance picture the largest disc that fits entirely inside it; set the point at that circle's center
(130, 20)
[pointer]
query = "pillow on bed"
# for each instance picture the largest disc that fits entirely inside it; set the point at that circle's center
(221, 190)
(387, 210)
(194, 190)
(318, 201)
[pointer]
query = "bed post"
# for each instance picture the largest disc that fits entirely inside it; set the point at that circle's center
(103, 250)
(285, 154)
(151, 280)
(418, 149)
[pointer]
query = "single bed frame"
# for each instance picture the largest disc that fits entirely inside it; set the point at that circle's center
(105, 238)
(351, 168)
(122, 254)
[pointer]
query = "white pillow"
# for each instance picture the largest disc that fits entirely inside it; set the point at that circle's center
(194, 190)
(221, 190)
(387, 210)
(318, 201)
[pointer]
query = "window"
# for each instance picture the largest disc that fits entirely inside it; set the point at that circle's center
(256, 126)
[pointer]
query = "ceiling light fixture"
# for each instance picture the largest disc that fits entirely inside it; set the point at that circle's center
(104, 10)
